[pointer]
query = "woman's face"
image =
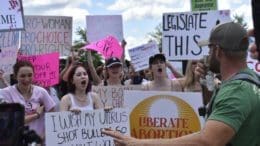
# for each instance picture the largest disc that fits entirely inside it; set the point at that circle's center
(80, 78)
(25, 76)
(115, 71)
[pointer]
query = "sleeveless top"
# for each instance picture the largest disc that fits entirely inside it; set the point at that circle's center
(74, 105)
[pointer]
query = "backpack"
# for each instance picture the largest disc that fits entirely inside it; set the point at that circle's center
(246, 77)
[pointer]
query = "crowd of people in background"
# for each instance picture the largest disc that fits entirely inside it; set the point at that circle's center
(73, 93)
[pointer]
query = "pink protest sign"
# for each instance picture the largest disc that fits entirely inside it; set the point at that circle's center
(108, 47)
(46, 68)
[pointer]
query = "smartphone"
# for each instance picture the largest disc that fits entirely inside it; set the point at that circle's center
(256, 12)
(11, 123)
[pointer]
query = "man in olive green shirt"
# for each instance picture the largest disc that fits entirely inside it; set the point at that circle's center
(236, 104)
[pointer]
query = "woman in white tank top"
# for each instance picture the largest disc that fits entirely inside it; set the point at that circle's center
(80, 97)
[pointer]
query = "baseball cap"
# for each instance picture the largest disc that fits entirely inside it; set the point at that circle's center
(112, 61)
(157, 57)
(229, 36)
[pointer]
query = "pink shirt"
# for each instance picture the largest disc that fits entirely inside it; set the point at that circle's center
(39, 97)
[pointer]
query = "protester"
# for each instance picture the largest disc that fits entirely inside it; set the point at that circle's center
(114, 72)
(189, 83)
(35, 99)
(254, 54)
(54, 95)
(233, 111)
(174, 72)
(3, 82)
(148, 74)
(97, 74)
(80, 97)
(135, 78)
(71, 61)
(160, 82)
(104, 79)
(100, 72)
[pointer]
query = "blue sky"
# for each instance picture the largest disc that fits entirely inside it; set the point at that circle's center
(139, 16)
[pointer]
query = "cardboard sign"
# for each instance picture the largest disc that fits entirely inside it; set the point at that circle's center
(140, 55)
(108, 47)
(47, 34)
(100, 26)
(9, 41)
(113, 96)
(182, 31)
(11, 15)
(158, 115)
(46, 68)
(84, 129)
(204, 5)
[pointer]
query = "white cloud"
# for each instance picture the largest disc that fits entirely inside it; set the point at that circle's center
(59, 8)
(122, 4)
(237, 1)
(244, 8)
(246, 11)
(139, 9)
(100, 4)
(34, 3)
(77, 13)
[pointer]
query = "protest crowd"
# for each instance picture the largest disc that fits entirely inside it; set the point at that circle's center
(213, 99)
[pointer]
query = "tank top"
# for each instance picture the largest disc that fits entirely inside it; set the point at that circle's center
(82, 108)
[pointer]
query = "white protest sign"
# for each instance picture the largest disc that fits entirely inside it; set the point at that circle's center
(11, 15)
(84, 129)
(140, 55)
(9, 41)
(47, 34)
(157, 114)
(100, 26)
(113, 96)
(182, 31)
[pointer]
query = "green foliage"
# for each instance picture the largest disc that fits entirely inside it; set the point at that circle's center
(240, 19)
(157, 36)
(82, 41)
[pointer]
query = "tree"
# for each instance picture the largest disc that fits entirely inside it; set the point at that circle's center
(157, 36)
(82, 41)
(240, 19)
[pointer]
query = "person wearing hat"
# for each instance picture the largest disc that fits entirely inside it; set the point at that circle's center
(233, 117)
(160, 82)
(114, 72)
